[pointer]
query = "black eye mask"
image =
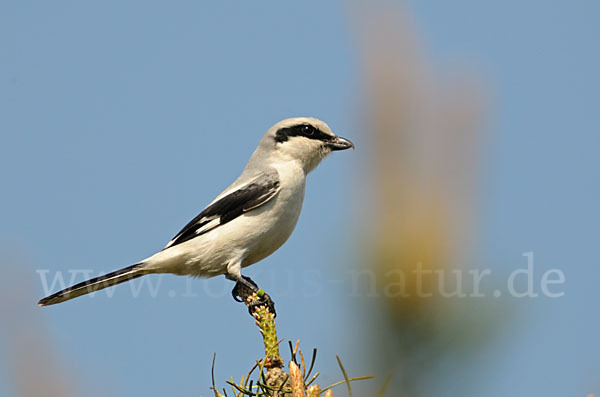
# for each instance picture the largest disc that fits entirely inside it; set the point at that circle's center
(305, 130)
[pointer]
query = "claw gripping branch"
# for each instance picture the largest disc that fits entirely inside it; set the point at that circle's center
(265, 321)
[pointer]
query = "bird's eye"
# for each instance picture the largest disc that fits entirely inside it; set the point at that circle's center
(308, 130)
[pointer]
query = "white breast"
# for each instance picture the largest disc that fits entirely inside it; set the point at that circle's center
(280, 216)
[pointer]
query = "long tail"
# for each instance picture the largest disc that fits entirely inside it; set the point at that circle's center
(95, 284)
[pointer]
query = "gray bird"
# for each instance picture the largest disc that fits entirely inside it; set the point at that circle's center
(246, 223)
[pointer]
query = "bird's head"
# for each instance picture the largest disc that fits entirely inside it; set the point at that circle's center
(303, 139)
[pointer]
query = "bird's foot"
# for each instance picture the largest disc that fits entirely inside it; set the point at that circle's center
(244, 288)
(263, 300)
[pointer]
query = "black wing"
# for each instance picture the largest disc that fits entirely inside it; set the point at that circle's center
(229, 207)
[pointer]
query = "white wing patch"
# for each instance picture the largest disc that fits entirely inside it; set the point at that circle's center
(208, 226)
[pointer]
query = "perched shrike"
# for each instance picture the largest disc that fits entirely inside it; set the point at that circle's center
(247, 222)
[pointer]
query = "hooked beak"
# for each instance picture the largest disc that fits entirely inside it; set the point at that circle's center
(340, 143)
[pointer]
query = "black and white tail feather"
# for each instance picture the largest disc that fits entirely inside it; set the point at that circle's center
(95, 284)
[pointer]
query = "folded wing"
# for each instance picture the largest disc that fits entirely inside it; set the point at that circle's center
(237, 202)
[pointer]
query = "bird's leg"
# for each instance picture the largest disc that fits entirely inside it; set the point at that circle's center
(244, 288)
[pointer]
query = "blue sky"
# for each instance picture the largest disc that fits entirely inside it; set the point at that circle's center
(120, 121)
